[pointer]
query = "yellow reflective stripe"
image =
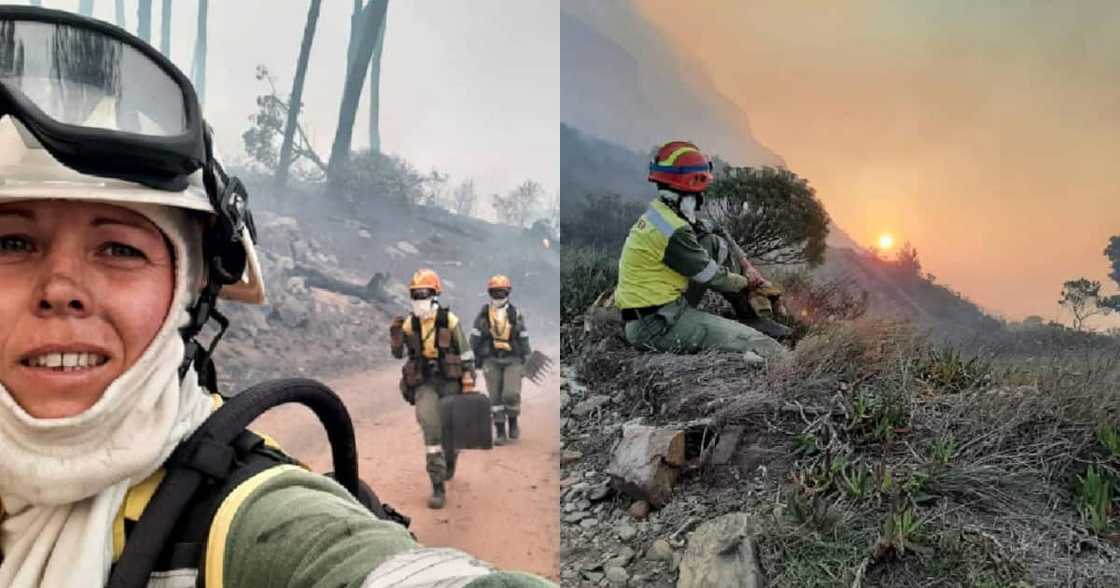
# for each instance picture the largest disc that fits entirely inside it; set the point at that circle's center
(219, 528)
(675, 154)
(135, 501)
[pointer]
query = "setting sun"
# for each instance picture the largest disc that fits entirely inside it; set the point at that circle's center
(886, 241)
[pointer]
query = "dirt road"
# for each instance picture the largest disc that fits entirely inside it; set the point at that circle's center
(502, 506)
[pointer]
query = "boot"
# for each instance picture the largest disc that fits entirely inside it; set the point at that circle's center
(438, 497)
(514, 432)
(452, 458)
(500, 434)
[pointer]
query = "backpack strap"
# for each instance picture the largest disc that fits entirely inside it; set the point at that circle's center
(186, 546)
(219, 456)
(442, 323)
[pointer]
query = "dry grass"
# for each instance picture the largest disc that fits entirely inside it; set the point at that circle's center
(906, 463)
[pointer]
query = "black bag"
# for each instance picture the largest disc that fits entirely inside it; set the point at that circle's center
(466, 421)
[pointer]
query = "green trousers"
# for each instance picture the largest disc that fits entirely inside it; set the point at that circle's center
(680, 328)
(428, 414)
(503, 383)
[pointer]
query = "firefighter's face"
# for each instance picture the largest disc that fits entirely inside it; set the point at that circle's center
(84, 288)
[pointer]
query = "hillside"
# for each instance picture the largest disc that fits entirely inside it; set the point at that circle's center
(314, 331)
(620, 80)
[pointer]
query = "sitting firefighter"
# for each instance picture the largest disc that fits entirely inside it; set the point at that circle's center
(501, 345)
(666, 267)
(440, 363)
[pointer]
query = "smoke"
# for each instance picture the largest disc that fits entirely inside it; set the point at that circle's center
(982, 132)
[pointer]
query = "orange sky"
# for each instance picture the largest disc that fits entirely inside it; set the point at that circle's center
(984, 133)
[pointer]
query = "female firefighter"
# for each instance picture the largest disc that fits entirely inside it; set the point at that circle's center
(119, 229)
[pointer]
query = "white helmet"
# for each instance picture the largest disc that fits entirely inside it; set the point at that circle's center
(29, 172)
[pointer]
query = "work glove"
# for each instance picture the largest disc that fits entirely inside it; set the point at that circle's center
(409, 394)
(396, 337)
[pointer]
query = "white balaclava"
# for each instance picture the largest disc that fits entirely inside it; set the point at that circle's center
(426, 308)
(63, 481)
(687, 204)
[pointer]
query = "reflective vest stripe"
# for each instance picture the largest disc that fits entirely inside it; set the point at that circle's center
(219, 529)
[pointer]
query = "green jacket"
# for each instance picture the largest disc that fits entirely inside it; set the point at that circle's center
(660, 256)
(298, 529)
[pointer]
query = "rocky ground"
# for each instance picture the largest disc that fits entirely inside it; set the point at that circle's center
(873, 457)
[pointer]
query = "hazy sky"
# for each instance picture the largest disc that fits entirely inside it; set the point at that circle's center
(471, 88)
(986, 133)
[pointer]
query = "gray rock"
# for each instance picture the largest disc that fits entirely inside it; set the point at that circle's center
(291, 313)
(593, 576)
(645, 463)
(617, 575)
(639, 509)
(588, 523)
(625, 531)
(570, 455)
(660, 551)
(721, 552)
(586, 407)
(624, 557)
(599, 493)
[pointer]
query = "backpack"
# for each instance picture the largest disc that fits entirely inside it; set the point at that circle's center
(210, 464)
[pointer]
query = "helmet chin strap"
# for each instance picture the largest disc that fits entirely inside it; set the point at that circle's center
(225, 258)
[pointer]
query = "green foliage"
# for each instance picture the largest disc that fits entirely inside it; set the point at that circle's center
(1109, 439)
(262, 140)
(585, 273)
(1082, 298)
(906, 263)
(1113, 254)
(900, 533)
(602, 220)
(1094, 495)
(772, 213)
(517, 206)
(948, 370)
(858, 481)
(943, 449)
(372, 176)
(877, 416)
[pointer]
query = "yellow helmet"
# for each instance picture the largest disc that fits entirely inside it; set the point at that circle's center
(426, 279)
(499, 282)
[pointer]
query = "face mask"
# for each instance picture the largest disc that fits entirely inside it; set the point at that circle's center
(498, 302)
(688, 208)
(422, 308)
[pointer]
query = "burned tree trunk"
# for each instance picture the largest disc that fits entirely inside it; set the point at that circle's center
(144, 20)
(372, 16)
(198, 68)
(373, 291)
(294, 102)
(165, 28)
(375, 88)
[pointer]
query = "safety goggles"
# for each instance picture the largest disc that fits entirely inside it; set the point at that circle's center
(422, 294)
(497, 293)
(100, 100)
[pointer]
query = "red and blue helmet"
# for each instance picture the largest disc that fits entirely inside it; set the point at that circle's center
(681, 167)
